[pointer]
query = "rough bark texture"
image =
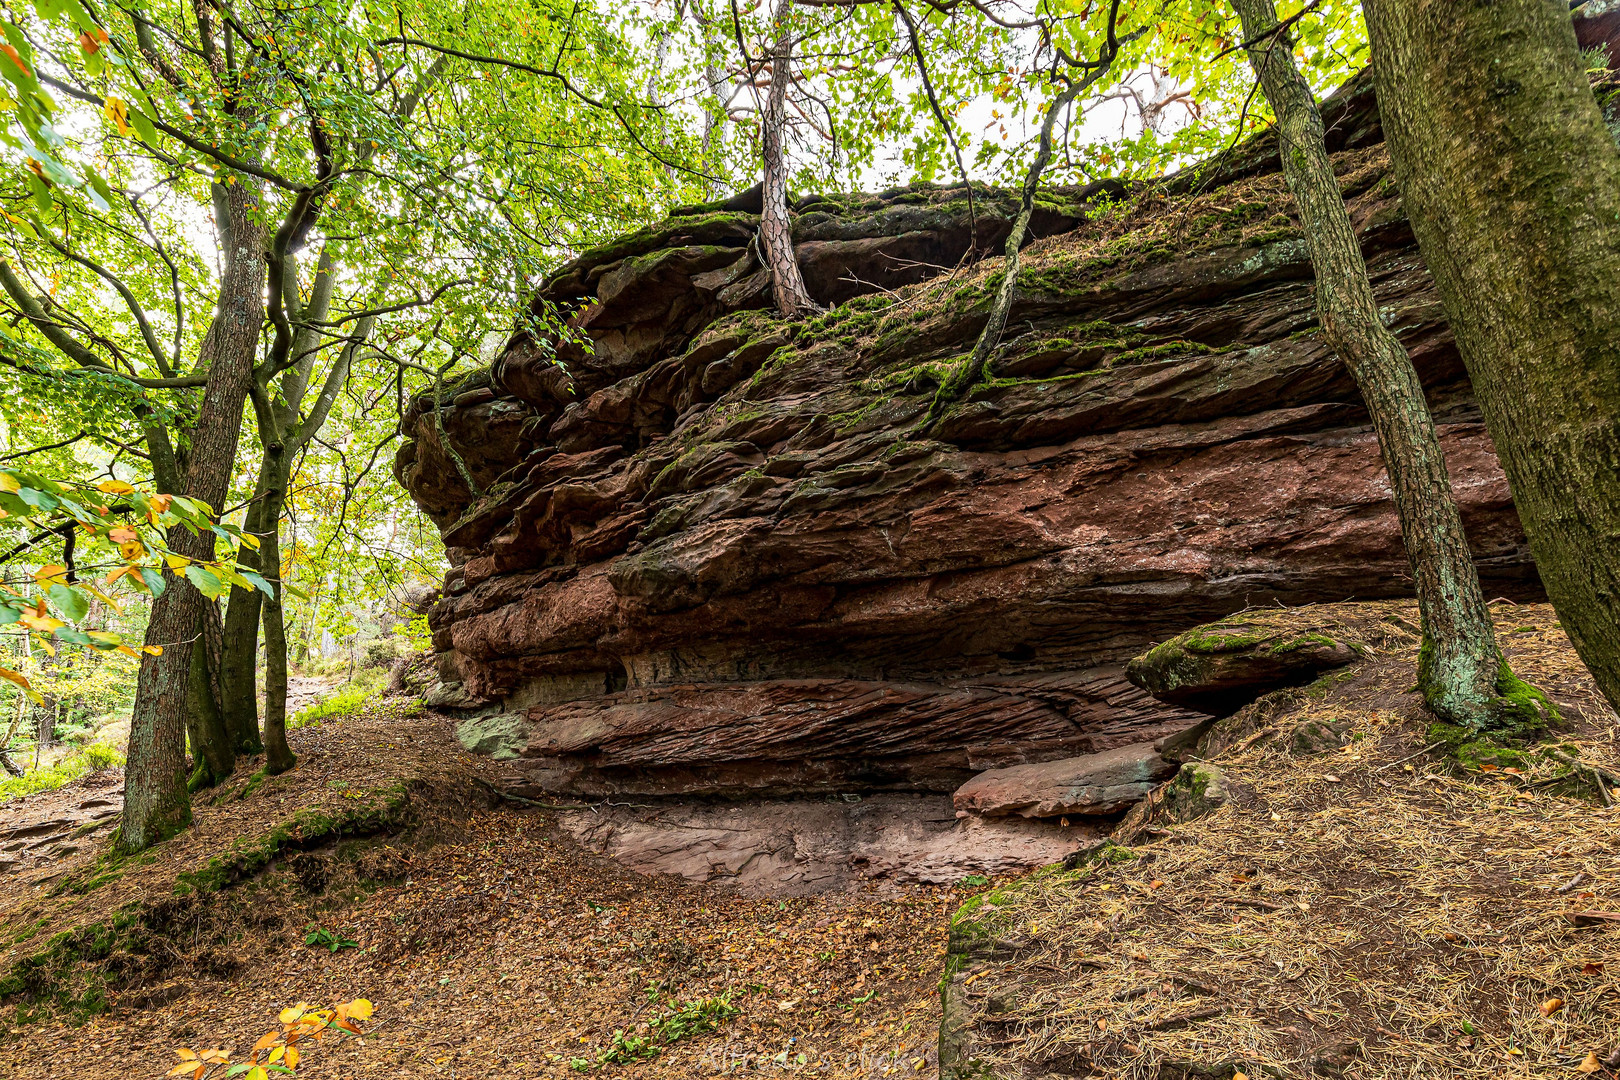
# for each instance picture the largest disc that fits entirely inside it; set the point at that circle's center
(239, 692)
(728, 562)
(1512, 181)
(775, 227)
(155, 800)
(1461, 660)
(278, 755)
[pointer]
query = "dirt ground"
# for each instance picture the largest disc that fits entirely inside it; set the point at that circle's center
(489, 943)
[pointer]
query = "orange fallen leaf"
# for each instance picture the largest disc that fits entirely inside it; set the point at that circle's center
(1590, 1065)
(1551, 1005)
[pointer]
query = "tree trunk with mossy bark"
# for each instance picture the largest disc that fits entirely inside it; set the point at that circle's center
(970, 371)
(1461, 671)
(213, 757)
(156, 803)
(1512, 184)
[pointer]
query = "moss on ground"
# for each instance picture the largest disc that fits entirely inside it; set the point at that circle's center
(379, 810)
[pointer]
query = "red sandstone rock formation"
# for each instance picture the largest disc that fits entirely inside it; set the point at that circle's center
(716, 554)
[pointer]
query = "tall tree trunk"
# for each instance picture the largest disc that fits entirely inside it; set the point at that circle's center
(278, 754)
(156, 804)
(1512, 184)
(775, 226)
(1460, 664)
(239, 689)
(212, 756)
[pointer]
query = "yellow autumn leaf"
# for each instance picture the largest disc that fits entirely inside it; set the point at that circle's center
(292, 1057)
(249, 540)
(50, 573)
(257, 1073)
(1590, 1065)
(9, 482)
(360, 1009)
(115, 487)
(42, 623)
(176, 562)
(117, 112)
(277, 1054)
(16, 677)
(292, 1013)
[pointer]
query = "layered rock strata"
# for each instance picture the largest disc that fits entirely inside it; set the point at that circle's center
(716, 552)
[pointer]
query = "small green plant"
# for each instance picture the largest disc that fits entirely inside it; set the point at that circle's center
(683, 1021)
(975, 881)
(332, 940)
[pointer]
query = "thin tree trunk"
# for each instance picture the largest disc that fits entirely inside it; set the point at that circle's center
(156, 804)
(970, 371)
(239, 689)
(278, 754)
(212, 756)
(775, 226)
(1512, 184)
(1460, 664)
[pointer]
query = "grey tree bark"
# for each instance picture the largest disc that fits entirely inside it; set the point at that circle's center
(1512, 184)
(775, 225)
(1460, 665)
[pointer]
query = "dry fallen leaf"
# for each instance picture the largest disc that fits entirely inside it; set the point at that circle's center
(1551, 1005)
(1592, 969)
(1590, 1065)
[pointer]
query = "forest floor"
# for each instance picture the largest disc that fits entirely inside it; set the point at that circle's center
(1367, 904)
(490, 944)
(1363, 908)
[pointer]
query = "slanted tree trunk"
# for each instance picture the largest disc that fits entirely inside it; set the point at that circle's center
(1460, 665)
(156, 804)
(970, 371)
(775, 226)
(1512, 184)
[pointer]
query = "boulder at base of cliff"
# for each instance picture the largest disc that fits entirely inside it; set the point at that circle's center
(1223, 666)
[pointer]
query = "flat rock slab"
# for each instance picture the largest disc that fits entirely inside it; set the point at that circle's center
(805, 847)
(1104, 783)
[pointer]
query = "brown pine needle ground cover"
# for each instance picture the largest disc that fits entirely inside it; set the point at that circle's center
(1370, 909)
(489, 943)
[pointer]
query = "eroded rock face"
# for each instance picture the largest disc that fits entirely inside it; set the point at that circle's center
(720, 555)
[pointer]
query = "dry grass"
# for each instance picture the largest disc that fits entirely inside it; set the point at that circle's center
(1371, 911)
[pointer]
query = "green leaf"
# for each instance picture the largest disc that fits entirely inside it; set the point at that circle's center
(154, 581)
(72, 603)
(259, 582)
(205, 581)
